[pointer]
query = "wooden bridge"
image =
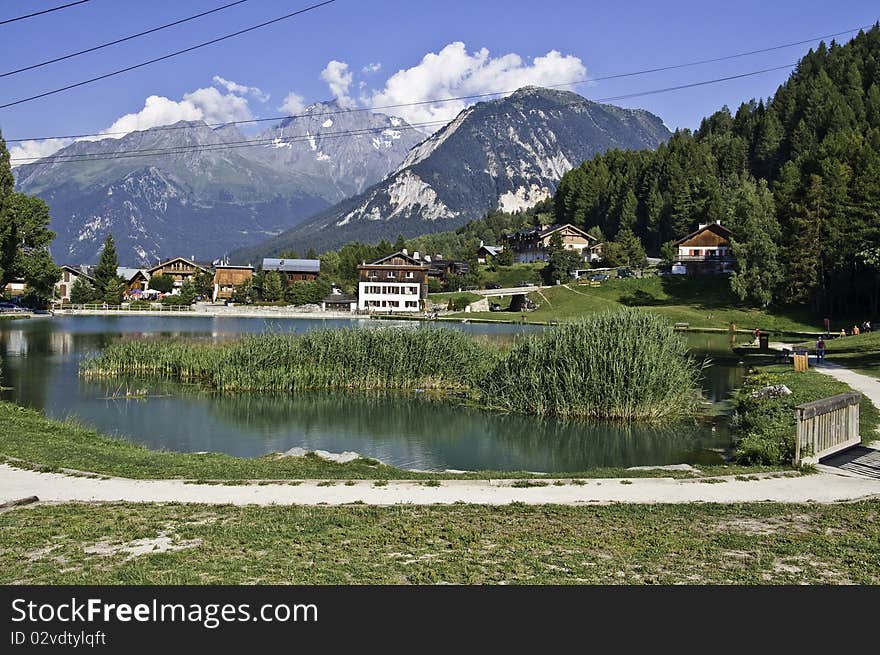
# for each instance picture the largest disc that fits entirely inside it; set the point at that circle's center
(826, 427)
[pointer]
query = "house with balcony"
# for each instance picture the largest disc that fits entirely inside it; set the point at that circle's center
(530, 244)
(707, 250)
(295, 270)
(179, 269)
(136, 280)
(395, 283)
(227, 277)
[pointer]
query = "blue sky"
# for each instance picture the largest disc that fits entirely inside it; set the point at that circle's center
(600, 38)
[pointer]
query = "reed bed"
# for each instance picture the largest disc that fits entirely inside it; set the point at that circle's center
(361, 359)
(624, 365)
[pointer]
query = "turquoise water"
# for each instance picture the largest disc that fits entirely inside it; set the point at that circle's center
(40, 359)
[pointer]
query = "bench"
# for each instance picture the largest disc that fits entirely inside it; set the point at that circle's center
(682, 326)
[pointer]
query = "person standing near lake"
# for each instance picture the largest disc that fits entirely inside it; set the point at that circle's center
(855, 330)
(820, 350)
(757, 335)
(842, 332)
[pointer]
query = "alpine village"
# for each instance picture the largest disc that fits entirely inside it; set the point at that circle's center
(545, 340)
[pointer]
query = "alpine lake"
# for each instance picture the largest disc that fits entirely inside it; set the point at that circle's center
(41, 356)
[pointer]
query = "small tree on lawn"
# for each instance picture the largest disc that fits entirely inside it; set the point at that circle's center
(203, 282)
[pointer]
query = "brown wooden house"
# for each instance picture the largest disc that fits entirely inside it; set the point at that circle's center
(179, 269)
(705, 250)
(227, 277)
(396, 283)
(295, 270)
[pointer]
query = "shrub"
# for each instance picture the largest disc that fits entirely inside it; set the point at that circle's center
(624, 365)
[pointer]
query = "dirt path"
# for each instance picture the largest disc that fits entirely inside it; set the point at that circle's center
(818, 488)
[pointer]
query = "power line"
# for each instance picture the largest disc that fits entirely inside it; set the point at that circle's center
(118, 41)
(228, 145)
(164, 57)
(123, 154)
(45, 11)
(474, 96)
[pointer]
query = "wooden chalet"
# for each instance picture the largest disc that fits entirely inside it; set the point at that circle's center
(227, 277)
(705, 250)
(179, 268)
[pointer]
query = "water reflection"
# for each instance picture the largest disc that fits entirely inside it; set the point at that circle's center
(40, 360)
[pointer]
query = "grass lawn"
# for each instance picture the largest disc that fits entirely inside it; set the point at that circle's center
(460, 298)
(616, 544)
(704, 302)
(26, 434)
(513, 276)
(12, 317)
(861, 353)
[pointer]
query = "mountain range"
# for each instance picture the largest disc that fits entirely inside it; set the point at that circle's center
(502, 154)
(320, 179)
(192, 190)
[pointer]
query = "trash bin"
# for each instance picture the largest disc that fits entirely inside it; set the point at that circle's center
(764, 341)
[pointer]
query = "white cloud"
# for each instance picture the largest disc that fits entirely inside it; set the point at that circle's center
(372, 67)
(339, 79)
(207, 104)
(455, 72)
(26, 151)
(293, 104)
(241, 89)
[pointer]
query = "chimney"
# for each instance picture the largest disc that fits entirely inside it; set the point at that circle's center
(718, 222)
(481, 243)
(405, 251)
(416, 255)
(701, 226)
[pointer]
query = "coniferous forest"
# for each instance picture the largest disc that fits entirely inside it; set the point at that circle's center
(796, 177)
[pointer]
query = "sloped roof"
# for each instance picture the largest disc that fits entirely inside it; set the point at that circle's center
(292, 265)
(717, 228)
(492, 250)
(174, 259)
(409, 258)
(546, 230)
(129, 273)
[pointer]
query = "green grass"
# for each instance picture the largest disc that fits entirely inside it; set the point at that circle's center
(767, 427)
(13, 317)
(861, 353)
(512, 276)
(50, 445)
(702, 302)
(757, 543)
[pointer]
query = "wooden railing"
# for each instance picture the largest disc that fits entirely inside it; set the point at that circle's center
(826, 426)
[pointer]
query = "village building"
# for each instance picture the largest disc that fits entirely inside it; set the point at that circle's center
(338, 301)
(395, 283)
(485, 253)
(136, 280)
(227, 277)
(440, 268)
(295, 270)
(179, 269)
(15, 287)
(69, 275)
(706, 250)
(530, 244)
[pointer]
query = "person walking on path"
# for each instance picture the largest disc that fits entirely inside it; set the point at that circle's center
(757, 335)
(820, 350)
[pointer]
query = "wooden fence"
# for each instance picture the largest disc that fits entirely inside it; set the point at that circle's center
(153, 307)
(826, 426)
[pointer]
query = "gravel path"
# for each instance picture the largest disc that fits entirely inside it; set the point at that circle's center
(822, 487)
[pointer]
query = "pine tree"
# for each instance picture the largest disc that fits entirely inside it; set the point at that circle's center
(273, 290)
(108, 285)
(753, 218)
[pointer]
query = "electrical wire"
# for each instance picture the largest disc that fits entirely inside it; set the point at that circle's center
(45, 11)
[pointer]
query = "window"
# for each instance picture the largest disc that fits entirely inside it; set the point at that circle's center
(391, 275)
(410, 275)
(412, 304)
